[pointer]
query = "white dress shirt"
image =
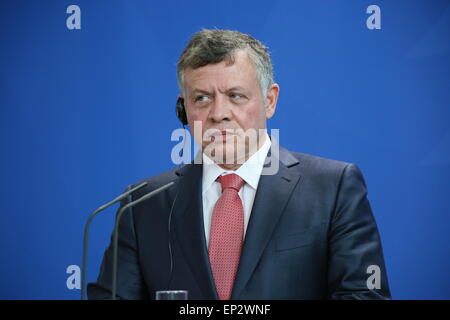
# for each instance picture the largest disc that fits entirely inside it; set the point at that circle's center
(249, 171)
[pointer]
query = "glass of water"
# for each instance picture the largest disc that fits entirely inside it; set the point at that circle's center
(171, 295)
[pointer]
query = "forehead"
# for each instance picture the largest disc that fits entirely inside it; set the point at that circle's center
(240, 72)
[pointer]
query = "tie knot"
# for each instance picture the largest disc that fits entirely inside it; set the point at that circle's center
(231, 181)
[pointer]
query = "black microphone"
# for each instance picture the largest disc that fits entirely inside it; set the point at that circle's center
(86, 232)
(116, 231)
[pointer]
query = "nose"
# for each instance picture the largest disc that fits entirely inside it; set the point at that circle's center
(220, 110)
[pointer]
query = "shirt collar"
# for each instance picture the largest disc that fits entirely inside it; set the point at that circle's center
(249, 171)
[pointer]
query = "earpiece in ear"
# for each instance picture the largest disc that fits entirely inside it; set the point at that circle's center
(181, 111)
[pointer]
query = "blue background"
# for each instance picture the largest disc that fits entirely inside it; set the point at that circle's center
(86, 112)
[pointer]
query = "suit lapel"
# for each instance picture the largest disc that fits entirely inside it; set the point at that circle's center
(189, 228)
(271, 198)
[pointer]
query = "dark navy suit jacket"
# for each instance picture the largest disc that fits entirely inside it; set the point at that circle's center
(311, 235)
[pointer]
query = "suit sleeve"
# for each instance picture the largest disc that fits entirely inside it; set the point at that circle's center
(130, 284)
(356, 267)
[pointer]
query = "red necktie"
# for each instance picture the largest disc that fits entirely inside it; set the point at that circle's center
(226, 236)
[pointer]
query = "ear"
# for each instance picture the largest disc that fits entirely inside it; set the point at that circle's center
(271, 100)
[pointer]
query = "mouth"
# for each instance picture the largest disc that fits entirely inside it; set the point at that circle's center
(221, 134)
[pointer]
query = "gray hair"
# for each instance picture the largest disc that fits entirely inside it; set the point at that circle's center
(213, 46)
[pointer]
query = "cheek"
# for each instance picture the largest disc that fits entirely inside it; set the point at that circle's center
(253, 118)
(196, 124)
(196, 115)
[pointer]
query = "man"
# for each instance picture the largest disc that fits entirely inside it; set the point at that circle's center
(228, 229)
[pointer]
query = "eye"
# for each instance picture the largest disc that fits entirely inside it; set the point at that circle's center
(201, 98)
(235, 96)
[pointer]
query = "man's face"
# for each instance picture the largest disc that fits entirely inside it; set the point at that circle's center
(227, 101)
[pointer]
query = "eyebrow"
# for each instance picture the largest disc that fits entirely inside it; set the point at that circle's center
(237, 88)
(195, 91)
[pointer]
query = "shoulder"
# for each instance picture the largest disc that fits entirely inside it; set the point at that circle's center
(314, 163)
(326, 170)
(160, 179)
(156, 181)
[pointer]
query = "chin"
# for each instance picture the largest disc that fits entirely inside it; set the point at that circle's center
(223, 153)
